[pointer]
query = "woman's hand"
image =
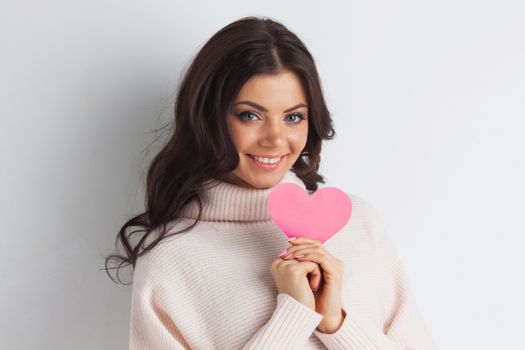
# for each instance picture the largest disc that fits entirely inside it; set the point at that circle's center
(328, 300)
(290, 276)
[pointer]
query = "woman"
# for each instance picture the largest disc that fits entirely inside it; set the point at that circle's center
(249, 115)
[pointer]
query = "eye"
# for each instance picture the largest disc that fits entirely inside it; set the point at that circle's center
(243, 114)
(298, 115)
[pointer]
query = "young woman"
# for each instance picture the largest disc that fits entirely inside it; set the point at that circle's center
(208, 273)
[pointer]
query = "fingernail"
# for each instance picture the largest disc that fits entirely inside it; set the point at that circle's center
(291, 239)
(299, 256)
(283, 252)
(288, 256)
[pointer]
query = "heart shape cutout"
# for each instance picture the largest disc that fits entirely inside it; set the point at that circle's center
(317, 216)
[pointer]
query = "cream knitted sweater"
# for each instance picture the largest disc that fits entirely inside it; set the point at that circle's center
(211, 288)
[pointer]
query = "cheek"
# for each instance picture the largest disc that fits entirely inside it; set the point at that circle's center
(241, 136)
(297, 138)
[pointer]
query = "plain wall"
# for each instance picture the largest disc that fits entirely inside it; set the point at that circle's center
(428, 104)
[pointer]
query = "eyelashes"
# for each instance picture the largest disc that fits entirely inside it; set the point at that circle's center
(243, 114)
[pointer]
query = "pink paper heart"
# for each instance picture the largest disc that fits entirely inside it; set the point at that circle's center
(319, 216)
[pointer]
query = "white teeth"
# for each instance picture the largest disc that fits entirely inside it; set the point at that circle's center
(267, 160)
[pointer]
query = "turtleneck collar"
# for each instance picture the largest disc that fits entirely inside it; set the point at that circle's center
(223, 201)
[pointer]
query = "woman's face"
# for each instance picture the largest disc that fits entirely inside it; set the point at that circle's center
(269, 119)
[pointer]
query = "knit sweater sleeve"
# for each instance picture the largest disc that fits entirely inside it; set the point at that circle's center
(403, 327)
(152, 326)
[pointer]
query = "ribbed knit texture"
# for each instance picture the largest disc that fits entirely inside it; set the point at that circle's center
(211, 287)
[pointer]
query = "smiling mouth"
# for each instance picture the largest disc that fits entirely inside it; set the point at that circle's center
(268, 162)
(267, 157)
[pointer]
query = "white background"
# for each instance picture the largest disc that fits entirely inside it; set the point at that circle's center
(428, 103)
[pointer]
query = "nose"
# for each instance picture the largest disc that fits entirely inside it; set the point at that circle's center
(273, 135)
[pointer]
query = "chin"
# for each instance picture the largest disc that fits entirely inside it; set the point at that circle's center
(249, 176)
(265, 181)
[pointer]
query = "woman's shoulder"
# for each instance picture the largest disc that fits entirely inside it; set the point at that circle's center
(365, 223)
(178, 235)
(362, 207)
(368, 220)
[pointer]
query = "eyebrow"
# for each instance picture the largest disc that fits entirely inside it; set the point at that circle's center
(259, 107)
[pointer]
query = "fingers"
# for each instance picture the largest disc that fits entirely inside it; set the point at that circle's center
(305, 266)
(307, 249)
(300, 241)
(323, 260)
(303, 240)
(295, 251)
(301, 249)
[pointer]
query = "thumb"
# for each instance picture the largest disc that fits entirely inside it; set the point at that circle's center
(315, 278)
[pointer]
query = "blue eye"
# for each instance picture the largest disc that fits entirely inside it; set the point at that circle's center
(245, 113)
(298, 115)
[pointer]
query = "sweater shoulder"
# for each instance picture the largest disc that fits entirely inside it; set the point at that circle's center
(365, 224)
(176, 234)
(362, 209)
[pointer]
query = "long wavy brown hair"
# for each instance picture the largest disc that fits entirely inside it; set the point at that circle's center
(200, 148)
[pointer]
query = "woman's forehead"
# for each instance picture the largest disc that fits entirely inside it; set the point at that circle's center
(272, 92)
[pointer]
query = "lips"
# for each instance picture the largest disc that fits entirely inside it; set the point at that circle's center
(266, 166)
(266, 155)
